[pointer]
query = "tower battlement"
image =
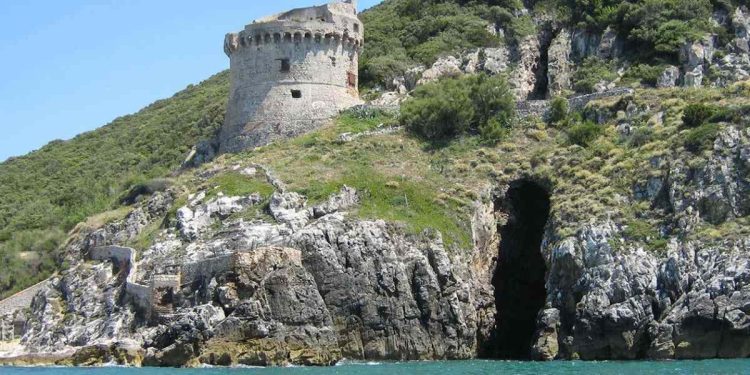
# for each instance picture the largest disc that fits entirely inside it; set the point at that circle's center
(290, 73)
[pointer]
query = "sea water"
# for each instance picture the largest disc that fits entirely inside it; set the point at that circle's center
(426, 368)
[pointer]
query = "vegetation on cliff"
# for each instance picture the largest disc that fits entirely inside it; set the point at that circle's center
(47, 192)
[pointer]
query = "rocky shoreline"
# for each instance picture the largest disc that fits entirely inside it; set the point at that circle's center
(314, 286)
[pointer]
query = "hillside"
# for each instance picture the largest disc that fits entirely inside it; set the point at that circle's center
(556, 179)
(44, 194)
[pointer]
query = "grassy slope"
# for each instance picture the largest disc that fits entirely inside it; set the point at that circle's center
(45, 193)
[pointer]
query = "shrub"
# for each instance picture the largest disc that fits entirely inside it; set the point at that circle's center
(696, 115)
(592, 71)
(644, 74)
(701, 138)
(494, 130)
(143, 189)
(641, 136)
(454, 106)
(558, 110)
(491, 97)
(439, 110)
(583, 134)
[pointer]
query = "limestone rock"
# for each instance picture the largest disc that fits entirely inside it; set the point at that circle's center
(669, 77)
(695, 58)
(741, 25)
(559, 67)
(449, 66)
(523, 78)
(546, 344)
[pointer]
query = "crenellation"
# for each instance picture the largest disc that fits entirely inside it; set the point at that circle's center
(291, 73)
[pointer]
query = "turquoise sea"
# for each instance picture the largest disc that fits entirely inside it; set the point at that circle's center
(427, 368)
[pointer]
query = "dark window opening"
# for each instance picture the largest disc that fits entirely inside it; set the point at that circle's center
(352, 78)
(285, 66)
(333, 61)
(356, 27)
(519, 278)
(296, 94)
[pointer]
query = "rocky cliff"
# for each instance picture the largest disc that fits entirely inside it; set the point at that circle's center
(312, 284)
(361, 241)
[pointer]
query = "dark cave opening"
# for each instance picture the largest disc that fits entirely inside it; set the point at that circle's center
(519, 276)
(541, 85)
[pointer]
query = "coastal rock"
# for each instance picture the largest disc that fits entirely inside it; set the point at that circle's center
(448, 66)
(669, 78)
(523, 79)
(559, 67)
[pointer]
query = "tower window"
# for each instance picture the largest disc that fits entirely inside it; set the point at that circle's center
(296, 94)
(356, 27)
(285, 66)
(333, 60)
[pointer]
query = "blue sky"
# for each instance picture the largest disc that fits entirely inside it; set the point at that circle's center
(74, 65)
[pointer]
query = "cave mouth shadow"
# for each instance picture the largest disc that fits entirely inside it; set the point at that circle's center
(519, 278)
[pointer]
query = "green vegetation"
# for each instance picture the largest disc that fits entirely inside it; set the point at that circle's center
(558, 110)
(46, 193)
(697, 114)
(655, 28)
(701, 138)
(404, 33)
(235, 184)
(592, 71)
(583, 134)
(643, 231)
(644, 74)
(455, 106)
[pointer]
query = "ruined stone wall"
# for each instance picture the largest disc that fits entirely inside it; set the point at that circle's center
(20, 300)
(291, 73)
(207, 268)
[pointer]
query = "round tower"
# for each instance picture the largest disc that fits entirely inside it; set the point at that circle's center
(291, 73)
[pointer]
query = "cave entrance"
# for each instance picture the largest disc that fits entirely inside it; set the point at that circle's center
(519, 277)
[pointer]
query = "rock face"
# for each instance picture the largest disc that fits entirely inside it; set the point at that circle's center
(528, 55)
(696, 57)
(559, 67)
(669, 78)
(311, 285)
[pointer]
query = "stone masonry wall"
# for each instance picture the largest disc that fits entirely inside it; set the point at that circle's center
(290, 74)
(20, 300)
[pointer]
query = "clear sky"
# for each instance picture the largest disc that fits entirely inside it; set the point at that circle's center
(69, 66)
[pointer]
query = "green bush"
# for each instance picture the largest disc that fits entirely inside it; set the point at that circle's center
(644, 74)
(404, 33)
(592, 71)
(696, 115)
(641, 136)
(491, 97)
(701, 138)
(559, 110)
(643, 231)
(439, 110)
(451, 107)
(583, 134)
(495, 130)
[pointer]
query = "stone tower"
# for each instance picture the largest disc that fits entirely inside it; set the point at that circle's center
(291, 73)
